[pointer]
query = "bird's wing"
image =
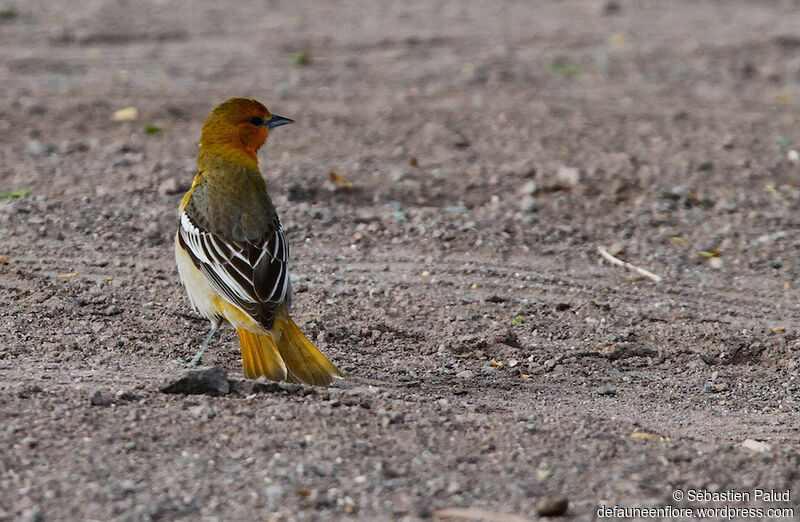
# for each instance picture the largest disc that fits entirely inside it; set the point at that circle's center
(252, 275)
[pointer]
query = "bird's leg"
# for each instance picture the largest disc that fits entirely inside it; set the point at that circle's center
(196, 359)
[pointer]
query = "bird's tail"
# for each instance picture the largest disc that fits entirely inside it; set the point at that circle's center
(293, 358)
(260, 356)
(304, 362)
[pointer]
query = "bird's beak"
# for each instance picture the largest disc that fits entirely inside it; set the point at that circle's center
(277, 121)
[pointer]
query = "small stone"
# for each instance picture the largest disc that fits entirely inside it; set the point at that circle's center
(274, 492)
(35, 148)
(527, 204)
(607, 390)
(528, 188)
(552, 506)
(423, 509)
(624, 350)
(756, 445)
(706, 166)
(611, 8)
(719, 387)
(496, 299)
(319, 500)
(290, 387)
(204, 411)
(567, 176)
(265, 387)
(209, 380)
(98, 399)
(126, 114)
(793, 156)
(169, 187)
(350, 506)
(392, 418)
(466, 374)
(126, 396)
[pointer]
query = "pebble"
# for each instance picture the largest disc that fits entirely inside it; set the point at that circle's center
(611, 8)
(169, 187)
(607, 390)
(756, 445)
(423, 509)
(715, 388)
(35, 148)
(465, 374)
(552, 506)
(209, 380)
(204, 411)
(528, 188)
(274, 492)
(98, 399)
(568, 176)
(527, 204)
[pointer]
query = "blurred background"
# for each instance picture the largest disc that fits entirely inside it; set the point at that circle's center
(476, 105)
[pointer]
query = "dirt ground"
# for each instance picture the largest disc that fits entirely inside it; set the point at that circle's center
(493, 359)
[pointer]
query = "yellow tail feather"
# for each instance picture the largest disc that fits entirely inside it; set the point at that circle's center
(304, 362)
(260, 356)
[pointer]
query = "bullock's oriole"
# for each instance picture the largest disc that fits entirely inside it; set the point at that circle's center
(232, 253)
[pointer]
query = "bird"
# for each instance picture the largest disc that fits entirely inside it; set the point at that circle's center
(232, 252)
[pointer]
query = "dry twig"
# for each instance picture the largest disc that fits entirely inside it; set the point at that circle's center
(473, 513)
(619, 262)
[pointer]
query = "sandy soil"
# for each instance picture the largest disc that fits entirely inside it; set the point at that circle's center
(493, 359)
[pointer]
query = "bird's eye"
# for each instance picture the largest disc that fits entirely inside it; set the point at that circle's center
(258, 121)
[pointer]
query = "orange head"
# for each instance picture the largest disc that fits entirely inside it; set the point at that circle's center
(239, 125)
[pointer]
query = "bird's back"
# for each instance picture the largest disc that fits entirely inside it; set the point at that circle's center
(233, 205)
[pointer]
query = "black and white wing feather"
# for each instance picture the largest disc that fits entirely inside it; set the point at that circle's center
(252, 275)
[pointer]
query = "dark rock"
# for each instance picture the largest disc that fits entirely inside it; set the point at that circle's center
(611, 8)
(625, 350)
(209, 380)
(423, 509)
(98, 399)
(706, 166)
(552, 506)
(508, 338)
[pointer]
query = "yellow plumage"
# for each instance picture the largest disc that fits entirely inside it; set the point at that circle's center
(232, 253)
